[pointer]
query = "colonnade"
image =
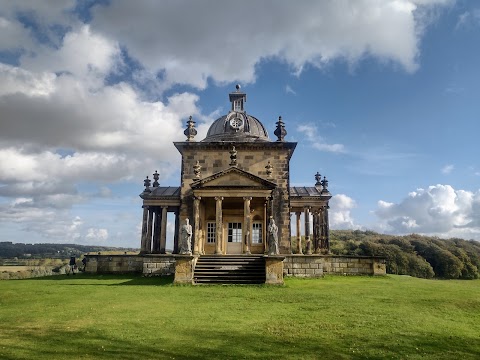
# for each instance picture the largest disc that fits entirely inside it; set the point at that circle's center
(154, 230)
(319, 241)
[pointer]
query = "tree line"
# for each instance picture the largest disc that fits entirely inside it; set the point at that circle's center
(414, 255)
(9, 250)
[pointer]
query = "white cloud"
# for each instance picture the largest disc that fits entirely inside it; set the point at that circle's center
(95, 236)
(315, 33)
(439, 210)
(318, 142)
(447, 169)
(340, 212)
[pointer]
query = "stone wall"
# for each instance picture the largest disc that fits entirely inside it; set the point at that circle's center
(303, 266)
(114, 264)
(158, 265)
(319, 265)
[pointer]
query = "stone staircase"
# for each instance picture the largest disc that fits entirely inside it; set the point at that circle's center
(230, 269)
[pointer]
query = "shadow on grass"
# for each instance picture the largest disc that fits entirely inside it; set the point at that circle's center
(121, 280)
(208, 343)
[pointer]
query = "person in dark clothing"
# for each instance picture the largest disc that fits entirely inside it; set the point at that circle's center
(72, 264)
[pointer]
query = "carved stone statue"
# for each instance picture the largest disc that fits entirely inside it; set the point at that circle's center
(272, 238)
(186, 239)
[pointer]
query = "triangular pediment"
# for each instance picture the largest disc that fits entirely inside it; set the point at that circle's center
(233, 177)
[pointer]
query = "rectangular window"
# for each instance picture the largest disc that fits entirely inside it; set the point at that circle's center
(237, 105)
(234, 232)
(211, 232)
(257, 234)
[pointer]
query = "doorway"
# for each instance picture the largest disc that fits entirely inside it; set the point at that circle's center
(234, 237)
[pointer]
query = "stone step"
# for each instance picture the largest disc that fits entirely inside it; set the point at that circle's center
(229, 269)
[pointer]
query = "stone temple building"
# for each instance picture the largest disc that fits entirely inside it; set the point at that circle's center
(234, 212)
(232, 183)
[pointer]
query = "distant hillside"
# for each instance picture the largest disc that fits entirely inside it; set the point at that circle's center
(10, 250)
(415, 255)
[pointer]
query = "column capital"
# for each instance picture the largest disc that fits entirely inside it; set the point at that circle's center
(247, 198)
(197, 197)
(164, 206)
(219, 198)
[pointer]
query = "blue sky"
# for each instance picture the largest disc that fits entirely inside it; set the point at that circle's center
(381, 96)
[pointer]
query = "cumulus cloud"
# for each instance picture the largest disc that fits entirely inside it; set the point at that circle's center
(315, 140)
(438, 210)
(340, 215)
(185, 44)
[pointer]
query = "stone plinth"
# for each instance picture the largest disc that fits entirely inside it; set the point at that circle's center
(184, 265)
(379, 266)
(274, 269)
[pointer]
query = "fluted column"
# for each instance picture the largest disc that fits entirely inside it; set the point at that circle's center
(196, 225)
(143, 246)
(327, 230)
(299, 233)
(175, 236)
(156, 231)
(246, 221)
(308, 242)
(316, 231)
(163, 230)
(219, 225)
(149, 230)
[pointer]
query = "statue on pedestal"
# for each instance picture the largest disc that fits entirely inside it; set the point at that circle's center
(186, 238)
(272, 238)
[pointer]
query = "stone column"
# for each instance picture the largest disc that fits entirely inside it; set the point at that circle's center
(299, 233)
(327, 231)
(219, 225)
(148, 241)
(156, 231)
(264, 227)
(317, 231)
(246, 221)
(196, 225)
(308, 242)
(175, 236)
(163, 231)
(143, 246)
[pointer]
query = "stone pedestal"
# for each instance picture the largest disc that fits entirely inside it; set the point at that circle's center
(184, 265)
(379, 266)
(274, 269)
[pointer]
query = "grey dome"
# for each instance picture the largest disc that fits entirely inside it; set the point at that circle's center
(237, 126)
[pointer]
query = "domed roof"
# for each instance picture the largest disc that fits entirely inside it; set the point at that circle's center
(237, 125)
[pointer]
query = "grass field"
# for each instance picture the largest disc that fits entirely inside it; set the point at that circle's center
(127, 317)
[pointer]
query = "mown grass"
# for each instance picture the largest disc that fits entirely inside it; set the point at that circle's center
(127, 317)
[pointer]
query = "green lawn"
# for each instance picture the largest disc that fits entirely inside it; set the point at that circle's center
(127, 317)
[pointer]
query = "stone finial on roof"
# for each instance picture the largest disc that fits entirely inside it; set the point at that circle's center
(190, 131)
(147, 183)
(233, 157)
(325, 185)
(280, 131)
(318, 179)
(156, 176)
